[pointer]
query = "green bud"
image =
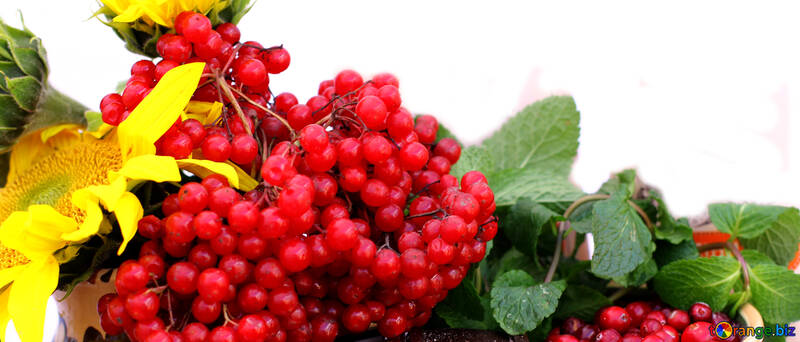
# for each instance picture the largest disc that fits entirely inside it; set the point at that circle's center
(27, 101)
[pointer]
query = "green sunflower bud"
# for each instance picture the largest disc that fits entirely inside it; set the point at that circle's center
(27, 101)
(140, 24)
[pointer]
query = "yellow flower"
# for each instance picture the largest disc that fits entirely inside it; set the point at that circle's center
(61, 180)
(161, 12)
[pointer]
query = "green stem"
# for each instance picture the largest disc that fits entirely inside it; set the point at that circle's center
(619, 294)
(56, 108)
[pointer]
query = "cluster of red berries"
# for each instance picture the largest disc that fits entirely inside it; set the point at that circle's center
(644, 322)
(236, 74)
(357, 221)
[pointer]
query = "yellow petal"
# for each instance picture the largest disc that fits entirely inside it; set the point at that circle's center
(205, 112)
(246, 182)
(53, 131)
(158, 110)
(203, 168)
(130, 14)
(32, 147)
(25, 153)
(4, 316)
(91, 222)
(38, 235)
(129, 211)
(28, 298)
(151, 167)
(8, 275)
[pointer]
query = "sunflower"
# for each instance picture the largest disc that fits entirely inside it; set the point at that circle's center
(62, 179)
(162, 12)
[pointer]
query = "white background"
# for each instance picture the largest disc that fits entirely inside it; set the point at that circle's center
(701, 97)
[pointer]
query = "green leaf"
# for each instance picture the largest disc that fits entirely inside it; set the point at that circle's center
(640, 275)
(93, 120)
(581, 302)
(666, 252)
(780, 240)
(513, 260)
(525, 222)
(710, 280)
(621, 239)
(443, 132)
(743, 220)
(473, 158)
(776, 292)
(622, 180)
(519, 304)
(538, 185)
(458, 319)
(544, 136)
(581, 219)
(754, 257)
(668, 228)
(464, 298)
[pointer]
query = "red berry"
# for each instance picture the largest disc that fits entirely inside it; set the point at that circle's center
(699, 331)
(244, 148)
(216, 148)
(182, 277)
(250, 71)
(678, 319)
(347, 81)
(196, 27)
(700, 312)
(614, 317)
(277, 60)
(294, 255)
(372, 112)
(229, 32)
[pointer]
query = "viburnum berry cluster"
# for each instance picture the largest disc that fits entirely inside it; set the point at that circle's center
(357, 221)
(644, 322)
(235, 74)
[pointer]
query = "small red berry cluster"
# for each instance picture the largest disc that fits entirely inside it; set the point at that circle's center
(643, 322)
(357, 220)
(236, 74)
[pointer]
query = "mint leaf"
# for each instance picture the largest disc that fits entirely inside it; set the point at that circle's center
(458, 319)
(539, 185)
(621, 239)
(775, 292)
(544, 135)
(674, 231)
(519, 304)
(780, 240)
(710, 280)
(443, 132)
(473, 158)
(581, 302)
(464, 298)
(514, 260)
(622, 180)
(754, 257)
(640, 275)
(666, 252)
(525, 222)
(743, 220)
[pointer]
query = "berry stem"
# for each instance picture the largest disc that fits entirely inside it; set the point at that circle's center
(434, 212)
(227, 90)
(562, 227)
(745, 269)
(275, 115)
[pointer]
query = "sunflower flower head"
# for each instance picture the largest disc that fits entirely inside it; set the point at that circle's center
(141, 22)
(65, 185)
